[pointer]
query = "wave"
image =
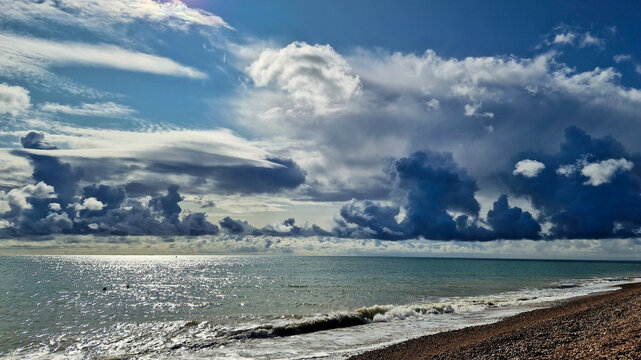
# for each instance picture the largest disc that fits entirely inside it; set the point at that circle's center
(361, 316)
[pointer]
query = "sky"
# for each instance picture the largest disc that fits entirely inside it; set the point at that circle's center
(419, 128)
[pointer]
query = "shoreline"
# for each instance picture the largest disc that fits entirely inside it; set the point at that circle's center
(606, 324)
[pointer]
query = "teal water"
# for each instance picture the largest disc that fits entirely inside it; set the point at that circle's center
(264, 306)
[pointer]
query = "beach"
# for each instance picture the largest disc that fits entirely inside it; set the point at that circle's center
(604, 326)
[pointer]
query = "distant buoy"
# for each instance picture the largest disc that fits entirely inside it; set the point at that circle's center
(104, 288)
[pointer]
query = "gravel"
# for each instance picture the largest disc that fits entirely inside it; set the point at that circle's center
(603, 326)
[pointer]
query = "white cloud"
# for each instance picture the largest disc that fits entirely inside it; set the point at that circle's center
(28, 56)
(18, 197)
(473, 110)
(107, 109)
(637, 68)
(566, 35)
(314, 76)
(602, 172)
(390, 117)
(91, 204)
(13, 99)
(589, 40)
(566, 170)
(621, 58)
(566, 38)
(100, 15)
(528, 168)
(433, 104)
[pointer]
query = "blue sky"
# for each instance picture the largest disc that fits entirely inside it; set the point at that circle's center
(363, 127)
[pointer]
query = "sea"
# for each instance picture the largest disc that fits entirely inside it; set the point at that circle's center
(267, 307)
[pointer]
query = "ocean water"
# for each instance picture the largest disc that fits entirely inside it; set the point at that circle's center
(266, 307)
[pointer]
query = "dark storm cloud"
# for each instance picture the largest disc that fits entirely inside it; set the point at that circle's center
(371, 219)
(117, 216)
(591, 188)
(60, 175)
(56, 205)
(109, 210)
(111, 196)
(433, 188)
(281, 174)
(435, 184)
(512, 223)
(235, 227)
(160, 217)
(246, 179)
(35, 140)
(202, 170)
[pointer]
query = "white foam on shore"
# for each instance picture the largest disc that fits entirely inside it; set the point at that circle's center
(322, 336)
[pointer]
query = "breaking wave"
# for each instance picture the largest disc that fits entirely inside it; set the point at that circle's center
(361, 316)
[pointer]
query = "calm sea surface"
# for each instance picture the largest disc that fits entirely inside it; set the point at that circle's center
(269, 307)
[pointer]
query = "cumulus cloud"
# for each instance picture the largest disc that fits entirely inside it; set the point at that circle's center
(235, 227)
(313, 75)
(565, 38)
(528, 168)
(17, 198)
(40, 209)
(90, 204)
(392, 116)
(512, 223)
(602, 172)
(13, 99)
(31, 57)
(106, 109)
